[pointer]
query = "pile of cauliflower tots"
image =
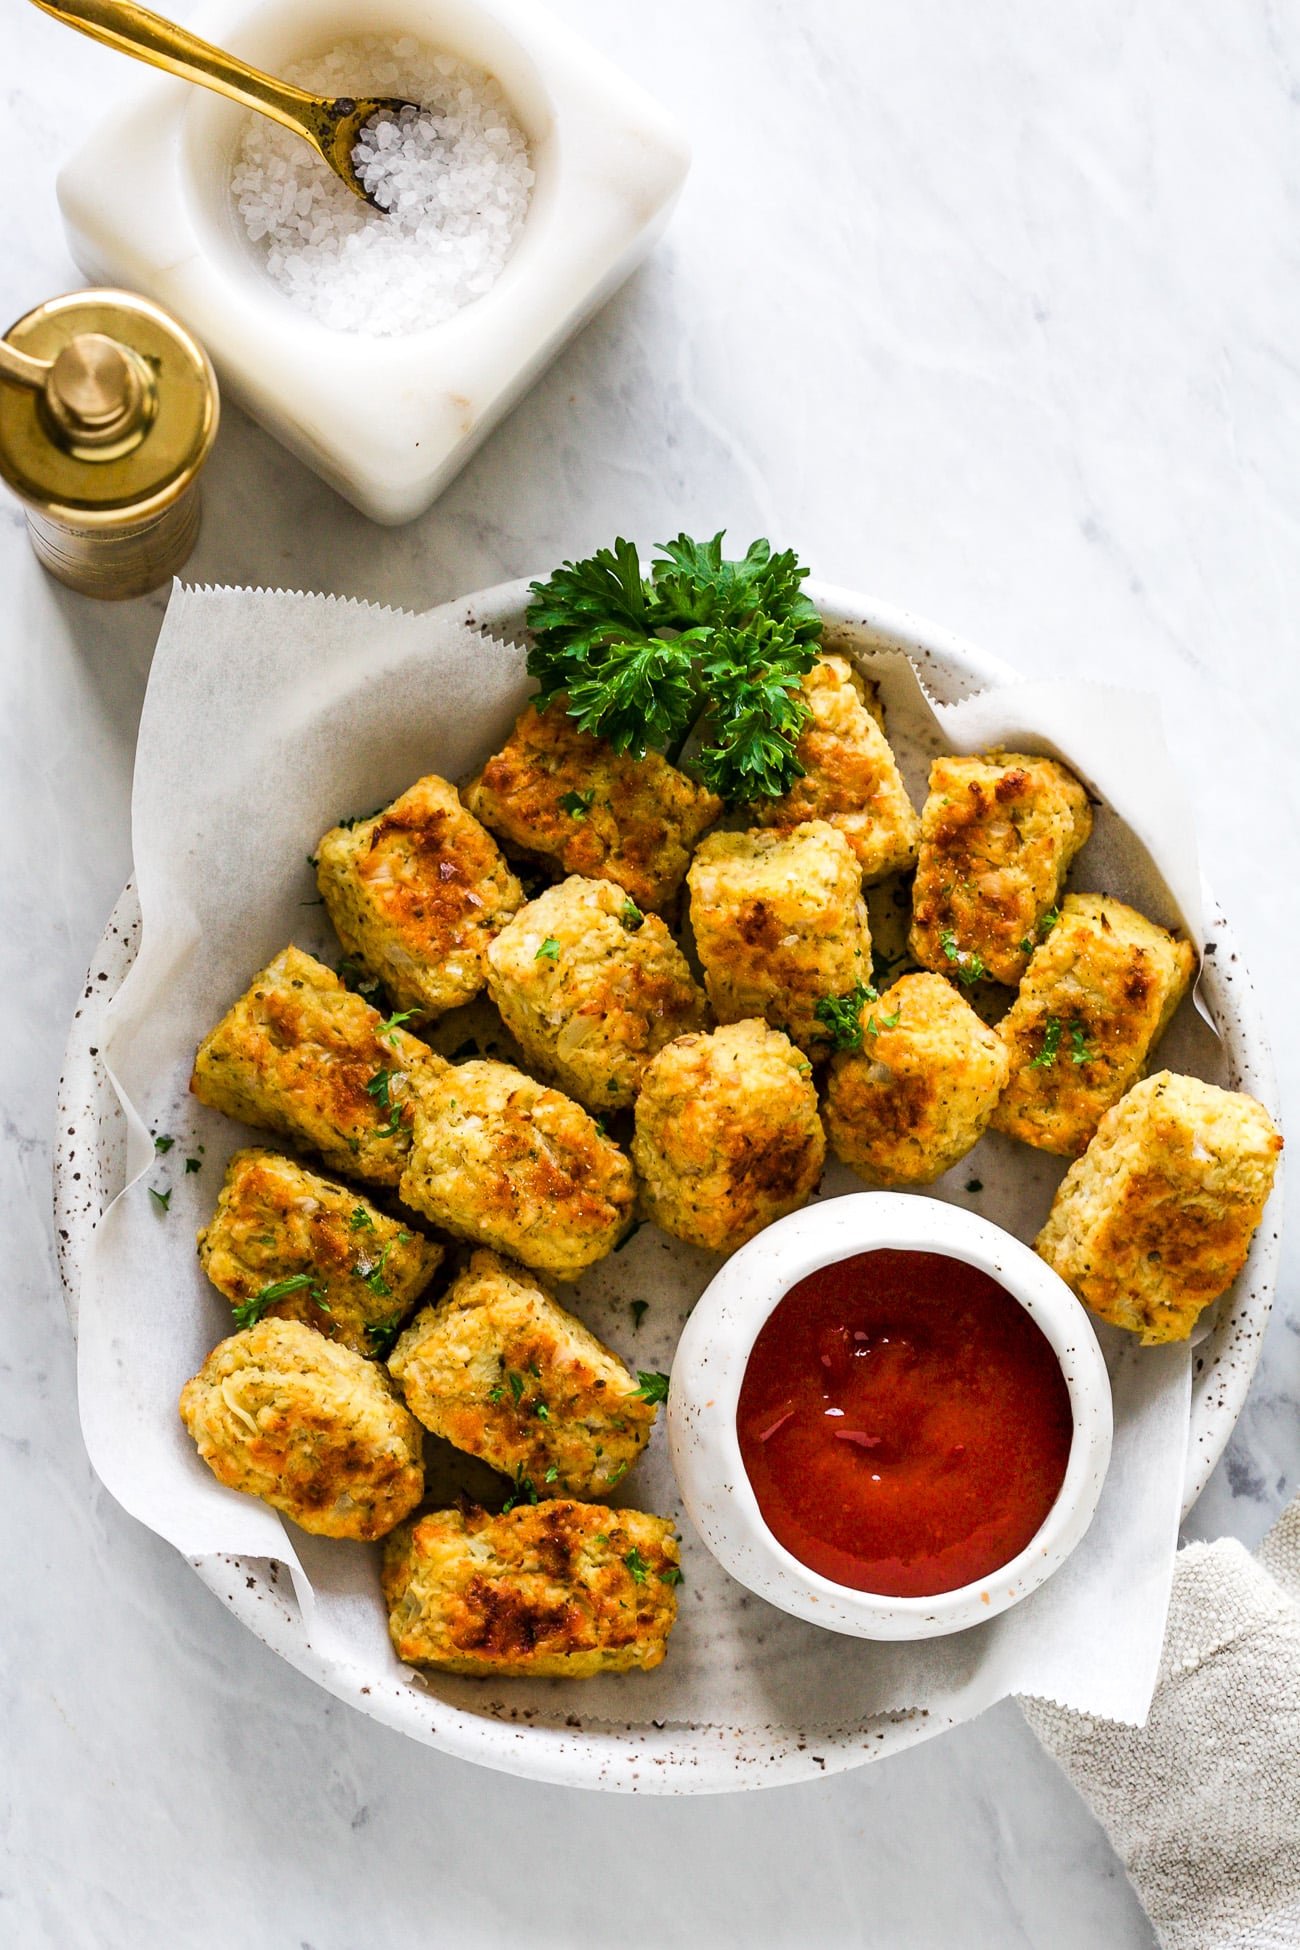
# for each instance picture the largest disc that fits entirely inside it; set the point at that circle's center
(706, 986)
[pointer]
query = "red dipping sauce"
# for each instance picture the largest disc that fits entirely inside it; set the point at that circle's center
(904, 1423)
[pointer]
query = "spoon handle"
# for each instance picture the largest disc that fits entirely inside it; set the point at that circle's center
(134, 30)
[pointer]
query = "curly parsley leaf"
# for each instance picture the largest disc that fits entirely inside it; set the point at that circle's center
(654, 1386)
(1079, 1051)
(639, 659)
(637, 1565)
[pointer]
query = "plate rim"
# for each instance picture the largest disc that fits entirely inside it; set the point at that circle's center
(625, 1756)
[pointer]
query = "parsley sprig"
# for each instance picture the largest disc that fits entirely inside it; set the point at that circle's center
(640, 660)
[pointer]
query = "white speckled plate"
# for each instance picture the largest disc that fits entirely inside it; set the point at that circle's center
(674, 1758)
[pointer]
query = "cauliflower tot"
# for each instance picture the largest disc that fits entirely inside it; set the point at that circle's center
(998, 834)
(417, 893)
(919, 1093)
(567, 797)
(1154, 1221)
(344, 1267)
(279, 1412)
(850, 775)
(503, 1371)
(727, 1134)
(1097, 996)
(549, 1590)
(302, 1056)
(506, 1162)
(779, 923)
(590, 987)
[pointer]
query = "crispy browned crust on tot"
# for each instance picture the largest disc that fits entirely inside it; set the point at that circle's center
(641, 820)
(310, 1427)
(507, 1162)
(551, 1590)
(998, 834)
(277, 1220)
(301, 1056)
(502, 1370)
(850, 775)
(728, 1137)
(1097, 996)
(779, 923)
(919, 1094)
(1154, 1221)
(417, 894)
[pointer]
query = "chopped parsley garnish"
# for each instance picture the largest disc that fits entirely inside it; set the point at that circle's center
(577, 804)
(549, 950)
(372, 1272)
(192, 1165)
(640, 659)
(496, 1392)
(1049, 1046)
(516, 1385)
(360, 1220)
(968, 967)
(637, 1565)
(630, 915)
(525, 1491)
(654, 1386)
(251, 1311)
(541, 1411)
(552, 1475)
(393, 1023)
(379, 1087)
(353, 976)
(1048, 922)
(382, 1336)
(163, 1144)
(161, 1199)
(886, 1022)
(1079, 1051)
(841, 1015)
(673, 1575)
(639, 1308)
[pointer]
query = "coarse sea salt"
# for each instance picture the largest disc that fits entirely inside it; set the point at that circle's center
(452, 178)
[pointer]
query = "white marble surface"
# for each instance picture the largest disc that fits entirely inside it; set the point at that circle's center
(991, 310)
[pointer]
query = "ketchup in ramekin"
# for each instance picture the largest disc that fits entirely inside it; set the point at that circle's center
(904, 1424)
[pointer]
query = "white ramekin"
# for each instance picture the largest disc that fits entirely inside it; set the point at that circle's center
(710, 1365)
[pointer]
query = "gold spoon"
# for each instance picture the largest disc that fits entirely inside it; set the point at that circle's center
(333, 127)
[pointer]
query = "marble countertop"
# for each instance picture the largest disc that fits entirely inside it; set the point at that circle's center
(991, 311)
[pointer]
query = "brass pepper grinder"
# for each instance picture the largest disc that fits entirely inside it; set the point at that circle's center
(108, 409)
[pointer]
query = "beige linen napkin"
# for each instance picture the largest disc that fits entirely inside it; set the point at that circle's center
(1203, 1803)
